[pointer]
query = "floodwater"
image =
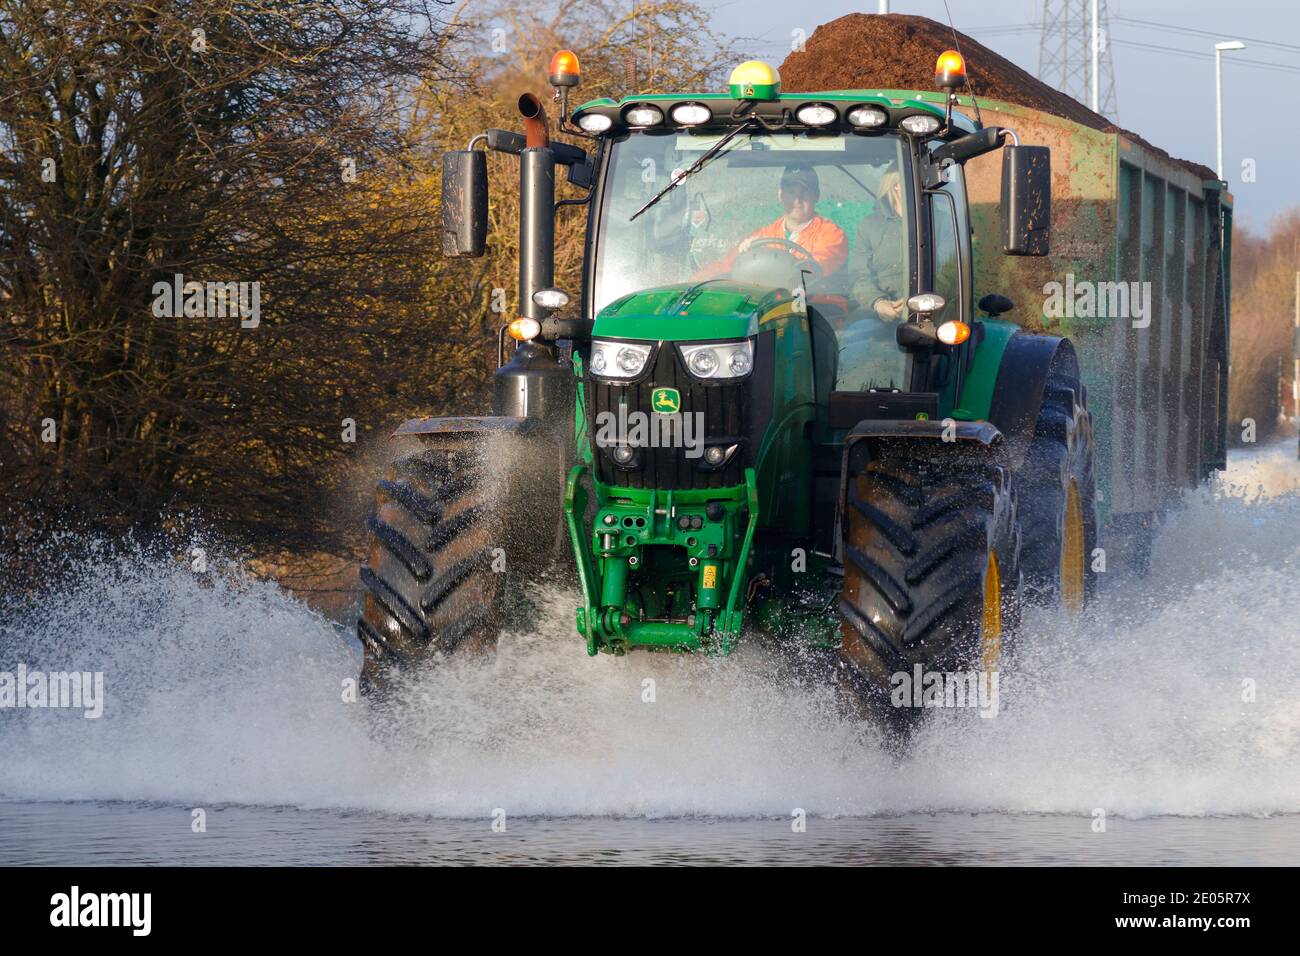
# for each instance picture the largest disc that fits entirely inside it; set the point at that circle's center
(1161, 728)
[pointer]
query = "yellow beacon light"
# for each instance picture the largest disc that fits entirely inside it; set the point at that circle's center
(755, 80)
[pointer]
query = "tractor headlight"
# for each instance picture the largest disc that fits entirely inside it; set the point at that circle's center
(816, 114)
(645, 115)
(865, 117)
(719, 359)
(690, 114)
(920, 124)
(716, 456)
(595, 122)
(618, 359)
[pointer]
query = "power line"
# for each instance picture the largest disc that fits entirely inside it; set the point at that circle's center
(1012, 29)
(1033, 26)
(1000, 33)
(1216, 34)
(1004, 28)
(1200, 55)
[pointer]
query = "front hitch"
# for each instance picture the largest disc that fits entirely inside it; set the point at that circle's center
(712, 532)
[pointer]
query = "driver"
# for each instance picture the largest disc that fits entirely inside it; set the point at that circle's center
(799, 223)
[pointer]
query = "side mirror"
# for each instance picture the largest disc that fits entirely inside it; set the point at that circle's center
(1026, 200)
(464, 203)
(583, 174)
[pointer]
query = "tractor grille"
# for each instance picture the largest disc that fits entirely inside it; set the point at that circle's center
(729, 413)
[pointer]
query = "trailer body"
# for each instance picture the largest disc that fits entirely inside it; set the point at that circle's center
(1123, 213)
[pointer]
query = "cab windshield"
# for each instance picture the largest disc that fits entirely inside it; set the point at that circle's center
(821, 215)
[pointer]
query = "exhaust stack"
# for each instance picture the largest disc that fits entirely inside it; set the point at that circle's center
(536, 208)
(533, 384)
(536, 128)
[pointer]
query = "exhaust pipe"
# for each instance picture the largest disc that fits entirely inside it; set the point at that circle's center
(536, 130)
(533, 383)
(536, 208)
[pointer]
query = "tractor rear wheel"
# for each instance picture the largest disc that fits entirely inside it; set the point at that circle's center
(430, 584)
(1058, 499)
(931, 564)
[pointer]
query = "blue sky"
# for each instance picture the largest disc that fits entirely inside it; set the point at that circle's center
(1166, 97)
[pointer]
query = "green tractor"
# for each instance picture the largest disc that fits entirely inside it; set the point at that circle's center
(775, 403)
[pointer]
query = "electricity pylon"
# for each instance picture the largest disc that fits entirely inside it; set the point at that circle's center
(1065, 54)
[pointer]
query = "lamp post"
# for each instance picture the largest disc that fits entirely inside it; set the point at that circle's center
(1219, 48)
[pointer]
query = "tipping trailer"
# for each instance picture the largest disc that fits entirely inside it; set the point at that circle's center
(809, 381)
(1126, 219)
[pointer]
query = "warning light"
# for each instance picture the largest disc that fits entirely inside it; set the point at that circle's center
(525, 329)
(954, 332)
(564, 69)
(950, 70)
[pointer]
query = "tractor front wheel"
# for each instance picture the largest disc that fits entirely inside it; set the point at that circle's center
(931, 563)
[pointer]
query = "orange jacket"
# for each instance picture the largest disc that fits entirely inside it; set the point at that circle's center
(821, 237)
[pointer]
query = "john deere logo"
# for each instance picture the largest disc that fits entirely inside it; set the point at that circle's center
(666, 401)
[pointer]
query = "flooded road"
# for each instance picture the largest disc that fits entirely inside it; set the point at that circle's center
(90, 834)
(1163, 727)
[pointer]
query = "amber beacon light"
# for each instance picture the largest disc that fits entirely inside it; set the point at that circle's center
(564, 69)
(950, 70)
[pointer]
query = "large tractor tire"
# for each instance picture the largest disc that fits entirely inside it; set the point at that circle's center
(1057, 493)
(430, 585)
(931, 563)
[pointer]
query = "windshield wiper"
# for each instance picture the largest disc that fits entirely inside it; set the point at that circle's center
(694, 168)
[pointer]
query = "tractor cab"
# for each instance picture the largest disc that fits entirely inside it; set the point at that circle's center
(812, 218)
(817, 199)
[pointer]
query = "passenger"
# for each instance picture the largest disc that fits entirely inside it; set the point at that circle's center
(869, 352)
(879, 266)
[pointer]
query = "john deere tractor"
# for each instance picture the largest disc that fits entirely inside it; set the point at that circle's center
(778, 404)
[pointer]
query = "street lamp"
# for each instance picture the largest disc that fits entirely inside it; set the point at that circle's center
(1219, 49)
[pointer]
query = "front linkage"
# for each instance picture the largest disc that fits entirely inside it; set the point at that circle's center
(685, 604)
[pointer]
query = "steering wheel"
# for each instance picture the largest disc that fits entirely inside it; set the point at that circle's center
(764, 266)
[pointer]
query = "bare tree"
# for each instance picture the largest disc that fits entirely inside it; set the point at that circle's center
(219, 141)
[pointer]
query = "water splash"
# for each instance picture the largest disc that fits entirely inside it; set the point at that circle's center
(224, 690)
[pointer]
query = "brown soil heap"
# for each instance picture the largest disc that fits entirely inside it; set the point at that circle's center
(863, 51)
